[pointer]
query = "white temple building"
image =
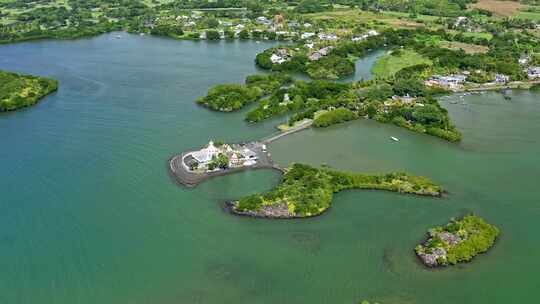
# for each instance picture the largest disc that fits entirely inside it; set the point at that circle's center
(204, 156)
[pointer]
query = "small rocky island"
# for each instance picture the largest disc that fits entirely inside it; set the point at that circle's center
(218, 158)
(459, 241)
(307, 191)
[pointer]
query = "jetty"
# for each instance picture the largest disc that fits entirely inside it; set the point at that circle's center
(278, 135)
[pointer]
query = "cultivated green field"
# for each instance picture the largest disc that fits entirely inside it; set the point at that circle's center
(389, 64)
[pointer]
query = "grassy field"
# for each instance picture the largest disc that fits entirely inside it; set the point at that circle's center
(389, 64)
(500, 8)
(485, 35)
(393, 19)
(528, 15)
(468, 48)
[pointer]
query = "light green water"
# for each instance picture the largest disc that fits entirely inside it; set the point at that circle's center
(89, 214)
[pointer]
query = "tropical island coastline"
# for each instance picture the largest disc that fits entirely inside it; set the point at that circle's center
(306, 191)
(19, 91)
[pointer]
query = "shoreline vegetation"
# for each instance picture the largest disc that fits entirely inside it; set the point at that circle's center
(19, 90)
(232, 97)
(457, 242)
(406, 87)
(307, 191)
(323, 40)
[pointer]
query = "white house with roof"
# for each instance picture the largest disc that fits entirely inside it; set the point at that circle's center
(328, 37)
(320, 53)
(307, 35)
(501, 78)
(533, 72)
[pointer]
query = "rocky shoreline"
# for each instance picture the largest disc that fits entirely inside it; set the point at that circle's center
(459, 241)
(280, 211)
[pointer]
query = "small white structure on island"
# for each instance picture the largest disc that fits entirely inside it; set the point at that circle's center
(204, 156)
(204, 159)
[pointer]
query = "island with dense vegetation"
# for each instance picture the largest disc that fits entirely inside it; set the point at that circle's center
(306, 191)
(18, 91)
(457, 242)
(232, 97)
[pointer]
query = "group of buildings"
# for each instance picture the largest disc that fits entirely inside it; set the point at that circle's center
(235, 156)
(450, 81)
(456, 81)
(533, 72)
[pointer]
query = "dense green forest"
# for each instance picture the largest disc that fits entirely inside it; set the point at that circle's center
(232, 97)
(19, 91)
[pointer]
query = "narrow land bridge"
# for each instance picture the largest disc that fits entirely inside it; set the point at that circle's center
(276, 136)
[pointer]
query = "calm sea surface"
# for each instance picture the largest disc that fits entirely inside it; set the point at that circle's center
(89, 214)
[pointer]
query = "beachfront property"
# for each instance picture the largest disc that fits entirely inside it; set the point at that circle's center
(206, 158)
(501, 78)
(533, 72)
(451, 81)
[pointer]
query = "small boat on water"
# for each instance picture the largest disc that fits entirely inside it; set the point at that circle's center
(394, 138)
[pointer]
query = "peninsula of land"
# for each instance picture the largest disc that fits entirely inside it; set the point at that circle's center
(306, 191)
(18, 91)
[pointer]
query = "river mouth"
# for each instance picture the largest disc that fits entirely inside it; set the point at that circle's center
(89, 213)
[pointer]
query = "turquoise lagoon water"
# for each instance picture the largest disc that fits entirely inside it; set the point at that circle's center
(89, 214)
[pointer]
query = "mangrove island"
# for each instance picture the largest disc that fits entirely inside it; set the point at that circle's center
(457, 242)
(306, 191)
